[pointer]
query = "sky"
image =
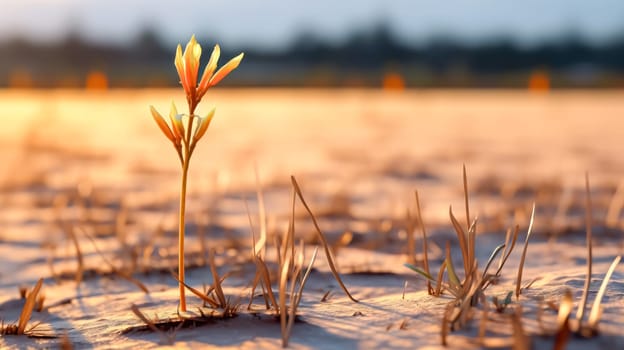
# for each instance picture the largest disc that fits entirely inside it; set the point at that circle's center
(274, 24)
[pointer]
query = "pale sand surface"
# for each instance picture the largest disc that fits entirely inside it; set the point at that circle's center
(96, 161)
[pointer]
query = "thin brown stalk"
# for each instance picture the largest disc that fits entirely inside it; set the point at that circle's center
(326, 247)
(425, 248)
(588, 227)
(29, 305)
(524, 250)
(594, 315)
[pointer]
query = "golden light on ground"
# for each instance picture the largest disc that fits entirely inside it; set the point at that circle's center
(20, 79)
(393, 81)
(96, 80)
(539, 81)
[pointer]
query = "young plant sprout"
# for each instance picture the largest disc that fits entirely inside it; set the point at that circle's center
(187, 129)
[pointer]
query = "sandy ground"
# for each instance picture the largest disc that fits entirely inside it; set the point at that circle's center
(96, 165)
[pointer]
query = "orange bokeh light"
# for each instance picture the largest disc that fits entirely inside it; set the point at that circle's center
(539, 81)
(20, 79)
(96, 80)
(393, 82)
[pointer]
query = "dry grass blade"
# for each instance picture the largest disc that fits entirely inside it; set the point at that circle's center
(563, 321)
(306, 275)
(469, 223)
(438, 288)
(484, 319)
(328, 252)
(411, 243)
(216, 279)
(594, 315)
(425, 248)
(521, 340)
(524, 250)
(125, 275)
(260, 246)
(168, 339)
(65, 343)
(421, 272)
(454, 282)
(588, 227)
(615, 206)
(295, 298)
(462, 240)
(282, 300)
(492, 257)
(508, 248)
(198, 293)
(28, 308)
(445, 328)
(61, 202)
(254, 252)
(466, 195)
(266, 279)
(144, 318)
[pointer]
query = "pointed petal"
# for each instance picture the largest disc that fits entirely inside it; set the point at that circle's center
(176, 121)
(192, 52)
(226, 69)
(203, 125)
(173, 111)
(179, 64)
(162, 124)
(204, 84)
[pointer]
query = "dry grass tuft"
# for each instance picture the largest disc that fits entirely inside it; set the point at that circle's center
(29, 305)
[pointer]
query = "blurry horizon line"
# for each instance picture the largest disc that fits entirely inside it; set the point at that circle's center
(570, 33)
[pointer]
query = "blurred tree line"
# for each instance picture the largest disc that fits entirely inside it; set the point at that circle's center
(365, 59)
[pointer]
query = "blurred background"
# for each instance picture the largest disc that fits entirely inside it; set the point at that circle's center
(323, 43)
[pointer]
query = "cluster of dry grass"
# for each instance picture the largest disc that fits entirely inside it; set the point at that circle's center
(470, 293)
